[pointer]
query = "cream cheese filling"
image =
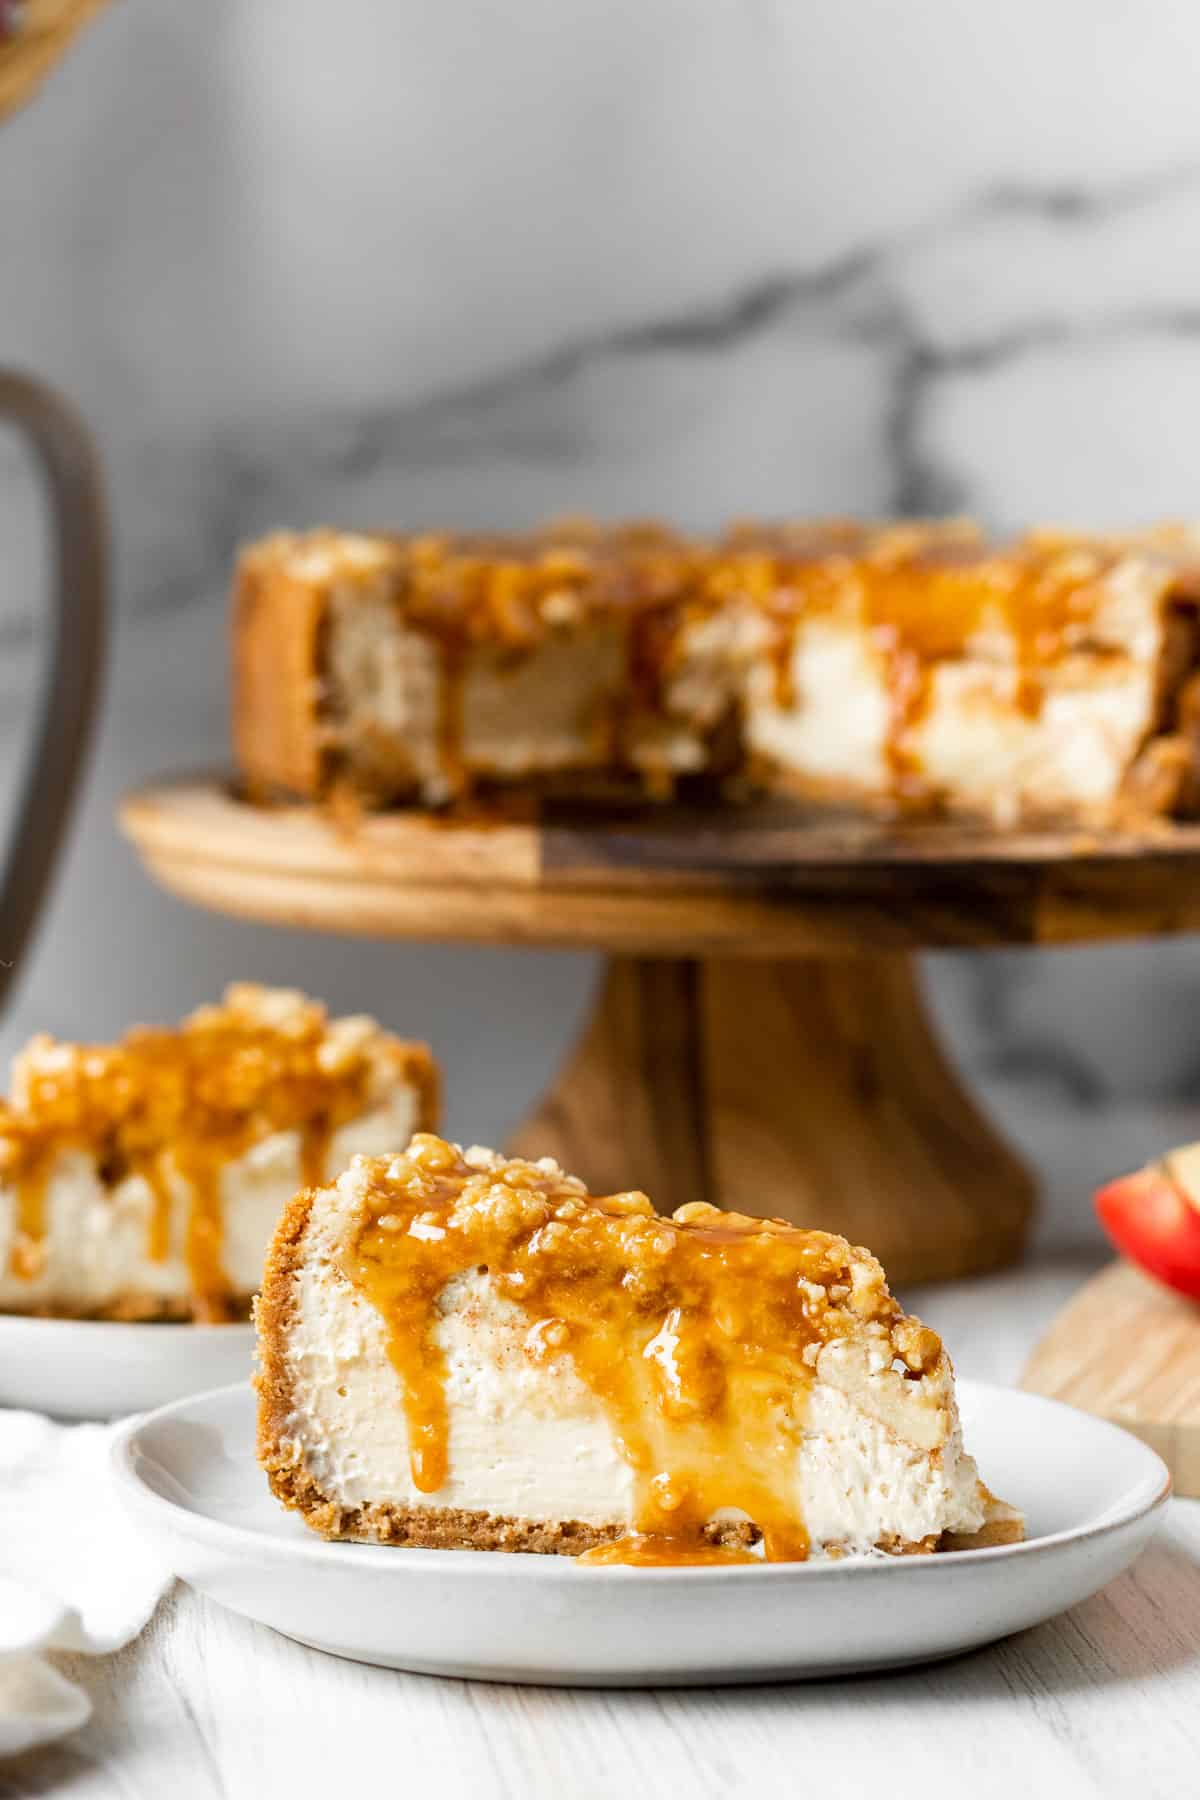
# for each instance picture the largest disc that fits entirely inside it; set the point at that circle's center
(971, 739)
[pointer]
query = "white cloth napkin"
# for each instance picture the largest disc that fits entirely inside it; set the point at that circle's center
(73, 1573)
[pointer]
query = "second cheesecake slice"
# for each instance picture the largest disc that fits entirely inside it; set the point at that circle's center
(143, 1179)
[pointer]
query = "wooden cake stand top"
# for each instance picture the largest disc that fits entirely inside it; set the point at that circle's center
(768, 878)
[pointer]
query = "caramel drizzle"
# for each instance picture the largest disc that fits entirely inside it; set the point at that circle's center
(506, 593)
(158, 1225)
(926, 593)
(923, 594)
(314, 1150)
(25, 1259)
(186, 1103)
(201, 1168)
(451, 685)
(696, 1334)
(201, 1165)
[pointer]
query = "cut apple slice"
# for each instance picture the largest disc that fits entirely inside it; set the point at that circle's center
(1153, 1218)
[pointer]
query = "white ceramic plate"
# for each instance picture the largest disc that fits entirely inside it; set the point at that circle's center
(1093, 1497)
(101, 1369)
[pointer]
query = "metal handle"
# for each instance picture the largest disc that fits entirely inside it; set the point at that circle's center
(66, 708)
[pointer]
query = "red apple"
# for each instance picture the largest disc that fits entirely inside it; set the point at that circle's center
(1153, 1218)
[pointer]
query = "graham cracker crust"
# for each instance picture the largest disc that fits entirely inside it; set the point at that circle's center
(140, 1309)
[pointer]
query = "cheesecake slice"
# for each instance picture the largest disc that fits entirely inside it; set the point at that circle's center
(464, 1352)
(904, 668)
(143, 1180)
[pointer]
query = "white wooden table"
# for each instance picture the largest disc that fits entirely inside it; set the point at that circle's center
(1104, 1701)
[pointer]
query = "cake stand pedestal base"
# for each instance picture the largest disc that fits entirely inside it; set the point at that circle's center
(810, 1088)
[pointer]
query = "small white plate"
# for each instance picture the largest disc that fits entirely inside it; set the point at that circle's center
(1093, 1497)
(101, 1368)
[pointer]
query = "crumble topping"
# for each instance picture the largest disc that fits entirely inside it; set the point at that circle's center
(708, 628)
(186, 1102)
(935, 584)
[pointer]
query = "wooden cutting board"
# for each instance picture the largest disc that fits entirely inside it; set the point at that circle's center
(1128, 1350)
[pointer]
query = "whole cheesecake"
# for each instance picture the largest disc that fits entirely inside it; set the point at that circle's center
(460, 1351)
(911, 668)
(143, 1180)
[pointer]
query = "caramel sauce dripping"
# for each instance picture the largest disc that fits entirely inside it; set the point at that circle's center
(929, 610)
(186, 1102)
(448, 729)
(926, 595)
(781, 649)
(158, 1229)
(506, 593)
(511, 590)
(25, 1260)
(696, 1334)
(200, 1165)
(315, 1134)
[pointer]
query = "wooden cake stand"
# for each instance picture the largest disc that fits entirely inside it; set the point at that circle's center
(759, 1037)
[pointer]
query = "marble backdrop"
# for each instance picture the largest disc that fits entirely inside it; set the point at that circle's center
(382, 261)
